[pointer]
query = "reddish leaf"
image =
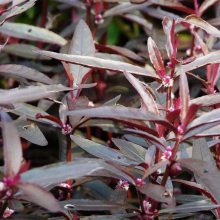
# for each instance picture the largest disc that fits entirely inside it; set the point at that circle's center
(39, 196)
(30, 93)
(199, 22)
(16, 10)
(184, 96)
(205, 171)
(155, 57)
(213, 57)
(12, 149)
(29, 32)
(20, 71)
(205, 5)
(99, 63)
(155, 192)
(173, 4)
(206, 100)
(117, 112)
(147, 98)
(81, 44)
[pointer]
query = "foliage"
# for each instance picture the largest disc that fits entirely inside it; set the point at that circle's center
(137, 123)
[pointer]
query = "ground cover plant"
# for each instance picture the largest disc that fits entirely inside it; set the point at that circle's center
(109, 109)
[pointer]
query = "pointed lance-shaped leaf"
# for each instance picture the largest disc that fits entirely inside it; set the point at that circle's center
(184, 95)
(155, 57)
(205, 5)
(168, 27)
(78, 168)
(102, 151)
(30, 93)
(20, 71)
(147, 98)
(16, 10)
(118, 112)
(12, 150)
(199, 22)
(205, 172)
(99, 63)
(81, 44)
(156, 192)
(33, 33)
(210, 58)
(39, 196)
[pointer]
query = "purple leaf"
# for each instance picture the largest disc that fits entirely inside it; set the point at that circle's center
(206, 100)
(213, 57)
(33, 33)
(147, 98)
(117, 112)
(30, 93)
(205, 5)
(199, 22)
(102, 151)
(156, 192)
(155, 167)
(184, 95)
(205, 172)
(24, 51)
(12, 149)
(78, 168)
(99, 63)
(20, 71)
(16, 10)
(155, 57)
(81, 44)
(39, 196)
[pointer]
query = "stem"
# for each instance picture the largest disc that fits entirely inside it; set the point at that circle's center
(174, 152)
(141, 202)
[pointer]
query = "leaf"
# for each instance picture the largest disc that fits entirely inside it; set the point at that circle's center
(81, 44)
(33, 33)
(124, 8)
(184, 95)
(156, 192)
(155, 167)
(92, 205)
(199, 22)
(205, 171)
(168, 27)
(12, 149)
(152, 138)
(201, 151)
(205, 5)
(155, 57)
(213, 131)
(119, 50)
(16, 10)
(117, 112)
(147, 98)
(206, 118)
(99, 63)
(78, 168)
(30, 131)
(20, 71)
(102, 151)
(206, 100)
(24, 51)
(30, 93)
(213, 57)
(197, 206)
(39, 196)
(131, 150)
(173, 4)
(29, 111)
